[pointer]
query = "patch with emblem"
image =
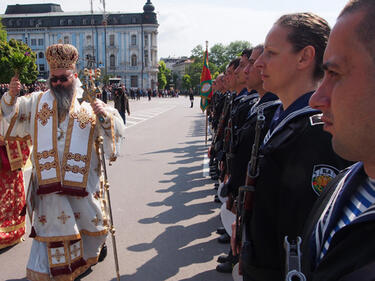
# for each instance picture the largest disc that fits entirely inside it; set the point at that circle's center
(316, 119)
(321, 176)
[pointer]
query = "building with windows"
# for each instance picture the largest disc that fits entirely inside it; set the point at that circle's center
(122, 44)
(179, 67)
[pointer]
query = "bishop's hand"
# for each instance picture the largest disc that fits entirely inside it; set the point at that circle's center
(14, 86)
(99, 107)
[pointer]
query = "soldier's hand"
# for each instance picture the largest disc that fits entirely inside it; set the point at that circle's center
(99, 107)
(14, 86)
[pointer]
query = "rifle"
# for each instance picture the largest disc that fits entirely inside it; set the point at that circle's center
(221, 126)
(90, 92)
(228, 137)
(245, 193)
(293, 260)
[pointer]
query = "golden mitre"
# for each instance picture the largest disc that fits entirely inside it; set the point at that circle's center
(61, 56)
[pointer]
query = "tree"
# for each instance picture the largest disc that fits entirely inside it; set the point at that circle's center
(235, 48)
(162, 80)
(169, 77)
(186, 82)
(218, 59)
(3, 33)
(217, 55)
(197, 52)
(17, 57)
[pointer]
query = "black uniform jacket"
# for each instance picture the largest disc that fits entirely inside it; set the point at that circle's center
(241, 107)
(351, 255)
(295, 161)
(218, 105)
(244, 140)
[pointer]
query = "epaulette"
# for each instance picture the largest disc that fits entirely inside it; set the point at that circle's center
(316, 119)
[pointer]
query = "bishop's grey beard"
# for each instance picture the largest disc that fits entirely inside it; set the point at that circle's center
(63, 96)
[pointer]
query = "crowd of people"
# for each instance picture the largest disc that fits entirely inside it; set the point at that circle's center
(136, 93)
(292, 151)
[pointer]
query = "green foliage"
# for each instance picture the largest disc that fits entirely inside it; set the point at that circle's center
(217, 55)
(162, 79)
(17, 58)
(3, 33)
(218, 58)
(186, 82)
(234, 49)
(169, 78)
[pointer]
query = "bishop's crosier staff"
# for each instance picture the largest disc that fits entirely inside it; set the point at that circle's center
(90, 91)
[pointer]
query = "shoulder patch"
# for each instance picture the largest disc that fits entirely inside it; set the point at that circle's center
(321, 176)
(316, 119)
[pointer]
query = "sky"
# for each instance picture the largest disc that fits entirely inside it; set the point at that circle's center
(184, 24)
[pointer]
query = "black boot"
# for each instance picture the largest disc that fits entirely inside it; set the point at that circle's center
(223, 258)
(103, 253)
(220, 230)
(224, 239)
(225, 267)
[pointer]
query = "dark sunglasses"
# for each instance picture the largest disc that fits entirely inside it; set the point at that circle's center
(62, 78)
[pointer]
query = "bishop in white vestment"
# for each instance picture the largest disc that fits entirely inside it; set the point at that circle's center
(66, 200)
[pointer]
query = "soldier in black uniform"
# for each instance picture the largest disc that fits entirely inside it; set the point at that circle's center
(216, 150)
(242, 103)
(296, 159)
(339, 236)
(244, 136)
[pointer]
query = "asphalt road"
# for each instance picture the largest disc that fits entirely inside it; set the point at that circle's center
(163, 207)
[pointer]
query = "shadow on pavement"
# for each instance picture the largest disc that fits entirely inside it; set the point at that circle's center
(179, 246)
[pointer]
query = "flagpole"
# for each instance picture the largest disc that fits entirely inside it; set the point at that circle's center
(206, 124)
(207, 106)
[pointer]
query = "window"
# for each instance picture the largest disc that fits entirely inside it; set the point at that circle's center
(70, 22)
(88, 40)
(41, 55)
(134, 60)
(134, 39)
(146, 58)
(134, 81)
(33, 42)
(84, 21)
(41, 67)
(66, 39)
(32, 22)
(146, 40)
(112, 61)
(62, 22)
(40, 42)
(112, 40)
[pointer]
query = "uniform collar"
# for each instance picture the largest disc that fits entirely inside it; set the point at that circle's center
(268, 99)
(243, 93)
(281, 114)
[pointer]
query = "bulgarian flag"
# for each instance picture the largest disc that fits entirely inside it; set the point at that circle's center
(206, 83)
